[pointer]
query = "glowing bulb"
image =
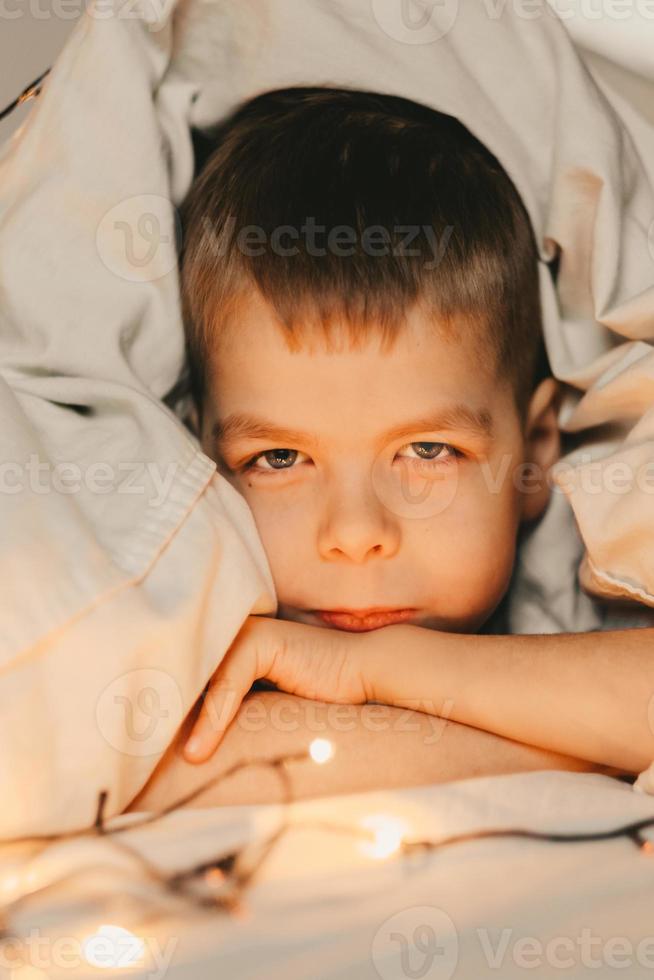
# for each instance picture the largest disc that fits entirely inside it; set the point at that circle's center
(388, 834)
(10, 883)
(214, 877)
(321, 750)
(113, 947)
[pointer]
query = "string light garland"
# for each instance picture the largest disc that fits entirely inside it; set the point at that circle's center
(32, 90)
(220, 883)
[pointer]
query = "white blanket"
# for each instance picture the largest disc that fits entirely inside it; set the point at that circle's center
(325, 904)
(128, 563)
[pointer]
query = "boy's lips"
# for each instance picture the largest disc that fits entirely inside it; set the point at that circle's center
(360, 620)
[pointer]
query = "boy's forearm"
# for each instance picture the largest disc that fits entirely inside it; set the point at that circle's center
(587, 695)
(376, 747)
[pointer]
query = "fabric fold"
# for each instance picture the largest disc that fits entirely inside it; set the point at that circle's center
(138, 555)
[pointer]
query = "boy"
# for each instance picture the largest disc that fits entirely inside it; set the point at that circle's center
(360, 289)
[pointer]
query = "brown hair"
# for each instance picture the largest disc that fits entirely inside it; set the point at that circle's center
(365, 161)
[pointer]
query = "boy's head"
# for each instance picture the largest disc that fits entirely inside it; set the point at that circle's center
(361, 297)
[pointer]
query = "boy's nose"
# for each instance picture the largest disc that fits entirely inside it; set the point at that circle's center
(355, 525)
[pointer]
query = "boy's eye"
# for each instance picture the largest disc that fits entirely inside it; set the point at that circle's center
(274, 460)
(433, 452)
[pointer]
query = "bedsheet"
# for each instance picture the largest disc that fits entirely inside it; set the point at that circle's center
(128, 563)
(329, 904)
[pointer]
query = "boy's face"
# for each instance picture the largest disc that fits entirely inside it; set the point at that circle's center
(353, 515)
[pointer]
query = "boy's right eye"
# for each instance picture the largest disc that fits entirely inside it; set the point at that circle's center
(276, 460)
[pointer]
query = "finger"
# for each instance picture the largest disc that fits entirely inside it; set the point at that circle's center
(227, 689)
(221, 703)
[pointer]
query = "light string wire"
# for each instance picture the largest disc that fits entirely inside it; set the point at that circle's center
(227, 878)
(31, 92)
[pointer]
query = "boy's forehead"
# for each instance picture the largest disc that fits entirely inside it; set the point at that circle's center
(256, 378)
(252, 334)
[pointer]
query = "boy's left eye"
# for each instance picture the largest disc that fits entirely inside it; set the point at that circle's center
(284, 459)
(434, 452)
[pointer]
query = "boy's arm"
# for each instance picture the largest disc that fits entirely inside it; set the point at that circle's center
(376, 747)
(587, 695)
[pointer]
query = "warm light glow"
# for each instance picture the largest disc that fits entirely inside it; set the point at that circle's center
(214, 877)
(321, 750)
(31, 877)
(113, 947)
(388, 834)
(28, 972)
(10, 883)
(21, 880)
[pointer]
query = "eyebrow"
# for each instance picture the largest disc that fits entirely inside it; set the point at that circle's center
(239, 425)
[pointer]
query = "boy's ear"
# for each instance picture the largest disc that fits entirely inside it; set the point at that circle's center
(542, 446)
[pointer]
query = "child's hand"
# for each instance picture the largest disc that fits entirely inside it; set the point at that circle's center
(310, 661)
